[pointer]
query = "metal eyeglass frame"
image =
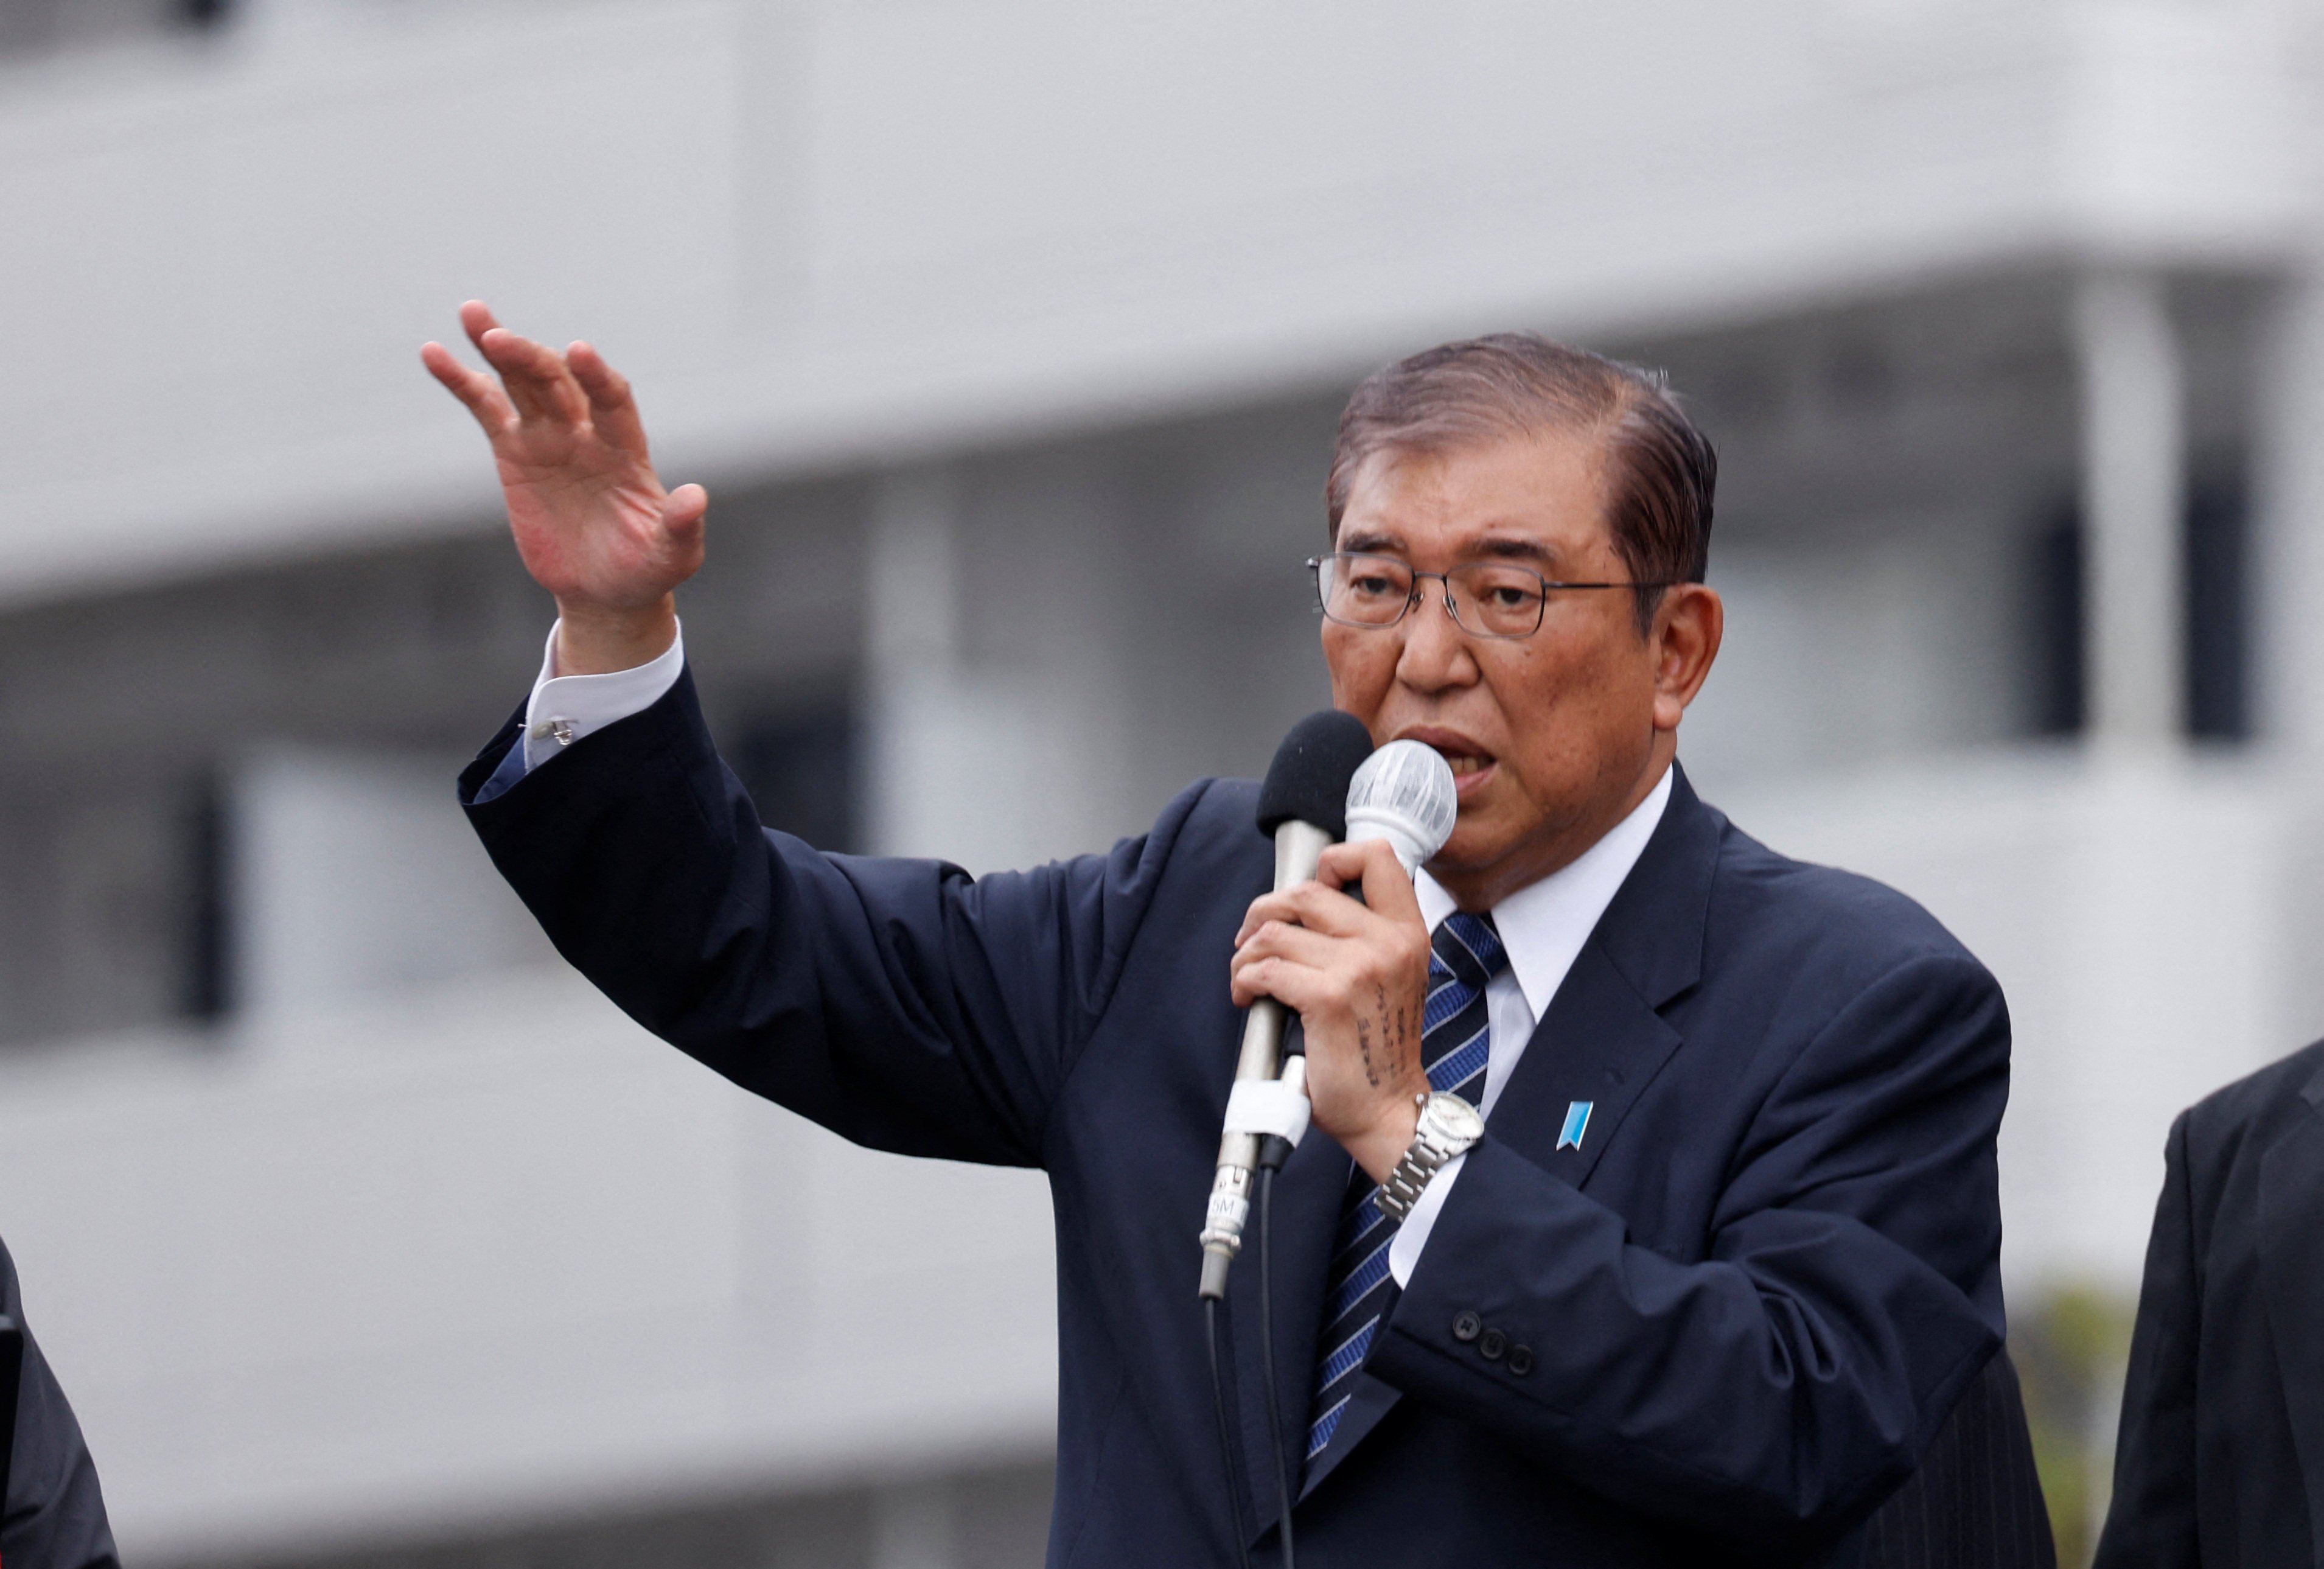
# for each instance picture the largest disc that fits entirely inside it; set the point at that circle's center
(1317, 565)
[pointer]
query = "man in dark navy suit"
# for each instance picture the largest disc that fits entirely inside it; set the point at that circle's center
(2221, 1455)
(51, 1509)
(1722, 1259)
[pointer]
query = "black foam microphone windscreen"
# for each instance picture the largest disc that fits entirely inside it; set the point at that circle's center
(1308, 780)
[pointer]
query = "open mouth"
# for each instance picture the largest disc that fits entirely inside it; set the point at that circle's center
(1469, 772)
(1471, 764)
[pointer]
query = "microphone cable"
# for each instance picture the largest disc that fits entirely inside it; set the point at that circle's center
(1273, 1152)
(1226, 1432)
(1271, 1158)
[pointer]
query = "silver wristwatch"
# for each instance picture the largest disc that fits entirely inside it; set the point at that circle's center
(1448, 1125)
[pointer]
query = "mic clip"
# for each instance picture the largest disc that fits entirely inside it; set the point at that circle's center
(1276, 1109)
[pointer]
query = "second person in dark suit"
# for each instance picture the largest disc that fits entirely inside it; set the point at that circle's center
(51, 1509)
(2220, 1459)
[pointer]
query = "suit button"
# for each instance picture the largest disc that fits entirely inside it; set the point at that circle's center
(1521, 1360)
(1466, 1326)
(1492, 1345)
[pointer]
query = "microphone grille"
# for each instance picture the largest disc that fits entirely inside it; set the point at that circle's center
(1411, 785)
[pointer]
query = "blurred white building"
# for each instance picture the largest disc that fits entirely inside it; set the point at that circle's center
(1010, 339)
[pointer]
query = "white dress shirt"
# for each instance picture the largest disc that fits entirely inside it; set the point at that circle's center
(1542, 926)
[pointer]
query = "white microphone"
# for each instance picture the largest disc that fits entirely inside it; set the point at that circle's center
(1404, 793)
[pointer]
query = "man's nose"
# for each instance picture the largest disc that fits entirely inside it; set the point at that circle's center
(1436, 653)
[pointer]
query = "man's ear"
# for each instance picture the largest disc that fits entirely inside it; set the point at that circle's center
(1688, 625)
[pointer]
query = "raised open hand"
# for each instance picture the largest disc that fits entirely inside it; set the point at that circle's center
(593, 523)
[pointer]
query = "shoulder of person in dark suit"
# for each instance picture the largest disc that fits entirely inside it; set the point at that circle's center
(1974, 1501)
(1871, 1006)
(2221, 1456)
(55, 1512)
(2221, 1125)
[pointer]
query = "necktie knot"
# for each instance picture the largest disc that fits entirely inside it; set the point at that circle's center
(1469, 948)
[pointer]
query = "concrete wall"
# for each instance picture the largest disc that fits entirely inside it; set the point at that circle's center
(486, 1251)
(823, 233)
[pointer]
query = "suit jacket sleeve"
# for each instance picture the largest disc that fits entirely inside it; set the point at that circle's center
(900, 1003)
(1775, 1389)
(2151, 1523)
(54, 1515)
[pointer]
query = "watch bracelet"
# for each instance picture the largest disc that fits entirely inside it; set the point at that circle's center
(1408, 1181)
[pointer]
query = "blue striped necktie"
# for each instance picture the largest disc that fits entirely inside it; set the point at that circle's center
(1456, 1043)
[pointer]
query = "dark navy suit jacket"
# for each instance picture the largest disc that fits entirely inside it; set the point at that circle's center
(52, 1515)
(2221, 1456)
(1749, 1297)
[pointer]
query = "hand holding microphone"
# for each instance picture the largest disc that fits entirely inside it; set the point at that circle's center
(1303, 807)
(1357, 974)
(1347, 968)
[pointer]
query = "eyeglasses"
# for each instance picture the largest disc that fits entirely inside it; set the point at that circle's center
(1495, 599)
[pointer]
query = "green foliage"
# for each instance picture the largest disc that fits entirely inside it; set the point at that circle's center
(2071, 1345)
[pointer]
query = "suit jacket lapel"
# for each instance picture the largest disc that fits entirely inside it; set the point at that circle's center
(1602, 1040)
(2291, 1220)
(1601, 1044)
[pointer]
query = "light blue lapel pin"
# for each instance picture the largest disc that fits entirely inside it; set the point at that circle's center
(1577, 1122)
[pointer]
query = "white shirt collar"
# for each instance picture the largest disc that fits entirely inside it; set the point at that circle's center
(1544, 924)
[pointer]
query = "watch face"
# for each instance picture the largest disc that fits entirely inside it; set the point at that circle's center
(1454, 1119)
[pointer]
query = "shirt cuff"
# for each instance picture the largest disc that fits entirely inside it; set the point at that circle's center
(564, 708)
(1404, 1253)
